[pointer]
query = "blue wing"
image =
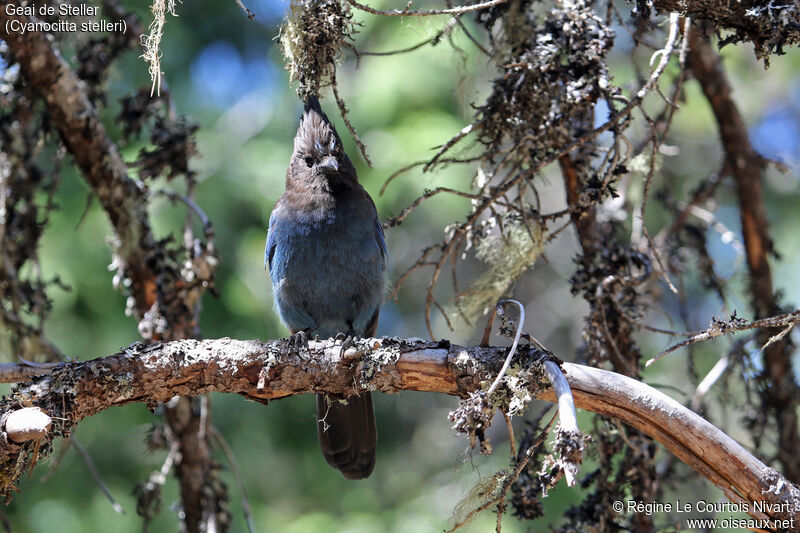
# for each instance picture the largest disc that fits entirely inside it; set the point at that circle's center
(269, 251)
(380, 238)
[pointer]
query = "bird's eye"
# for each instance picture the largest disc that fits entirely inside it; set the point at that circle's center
(309, 162)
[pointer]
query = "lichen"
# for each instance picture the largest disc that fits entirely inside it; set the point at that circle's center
(312, 36)
(474, 414)
(373, 366)
(508, 251)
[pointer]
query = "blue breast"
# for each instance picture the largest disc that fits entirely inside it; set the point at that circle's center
(327, 269)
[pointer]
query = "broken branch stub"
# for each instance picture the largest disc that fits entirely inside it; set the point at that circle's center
(28, 423)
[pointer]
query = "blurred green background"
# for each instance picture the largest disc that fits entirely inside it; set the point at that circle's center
(226, 73)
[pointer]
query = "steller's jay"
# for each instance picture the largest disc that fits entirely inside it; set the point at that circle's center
(327, 256)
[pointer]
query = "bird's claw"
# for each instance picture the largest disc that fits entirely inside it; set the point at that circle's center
(298, 342)
(348, 341)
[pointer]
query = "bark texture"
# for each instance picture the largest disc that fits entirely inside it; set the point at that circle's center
(164, 296)
(264, 371)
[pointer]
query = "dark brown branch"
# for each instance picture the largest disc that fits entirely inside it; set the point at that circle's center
(768, 25)
(156, 289)
(193, 470)
(13, 372)
(782, 395)
(86, 139)
(160, 371)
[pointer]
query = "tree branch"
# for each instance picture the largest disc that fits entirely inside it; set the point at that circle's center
(13, 372)
(768, 25)
(164, 301)
(781, 394)
(408, 12)
(86, 139)
(265, 371)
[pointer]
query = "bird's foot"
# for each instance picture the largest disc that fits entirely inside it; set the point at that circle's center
(298, 342)
(348, 341)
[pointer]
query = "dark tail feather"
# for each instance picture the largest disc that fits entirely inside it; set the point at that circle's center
(347, 434)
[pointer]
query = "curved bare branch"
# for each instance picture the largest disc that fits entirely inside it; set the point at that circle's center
(270, 370)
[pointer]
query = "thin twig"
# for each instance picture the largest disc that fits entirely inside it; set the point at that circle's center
(511, 439)
(719, 327)
(638, 222)
(249, 13)
(621, 364)
(487, 331)
(641, 225)
(100, 483)
(408, 12)
(237, 474)
(665, 54)
(705, 385)
(431, 40)
(466, 130)
(350, 128)
(778, 336)
(205, 423)
(513, 349)
(193, 207)
(662, 270)
(188, 231)
(394, 221)
(472, 38)
(420, 163)
(55, 463)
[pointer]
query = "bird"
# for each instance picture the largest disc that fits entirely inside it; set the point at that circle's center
(326, 254)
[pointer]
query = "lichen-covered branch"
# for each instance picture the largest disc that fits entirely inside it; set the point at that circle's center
(164, 282)
(770, 26)
(264, 371)
(85, 136)
(780, 392)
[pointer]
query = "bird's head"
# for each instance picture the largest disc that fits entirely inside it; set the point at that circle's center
(318, 155)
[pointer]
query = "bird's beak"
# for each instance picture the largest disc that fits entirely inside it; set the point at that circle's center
(329, 165)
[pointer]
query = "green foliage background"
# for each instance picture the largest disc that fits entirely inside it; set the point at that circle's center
(403, 106)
